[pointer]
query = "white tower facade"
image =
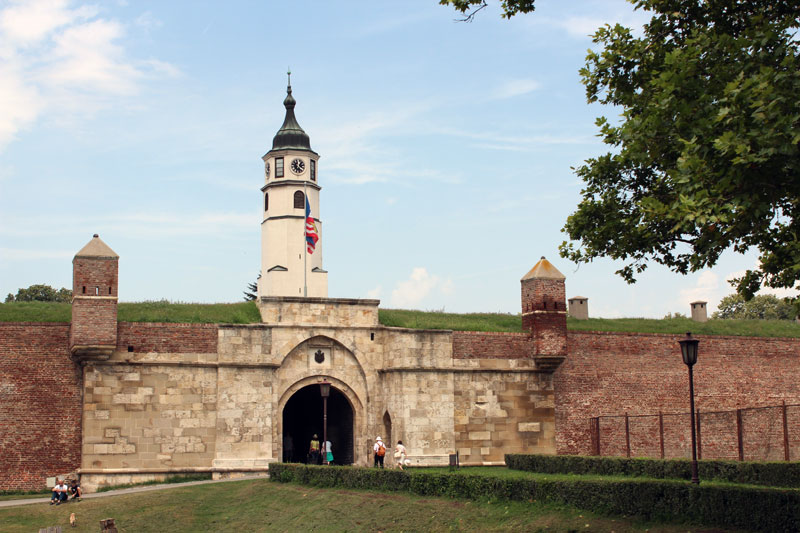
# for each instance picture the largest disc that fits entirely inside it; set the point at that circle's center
(291, 175)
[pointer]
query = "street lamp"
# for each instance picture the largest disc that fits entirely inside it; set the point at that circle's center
(325, 391)
(689, 354)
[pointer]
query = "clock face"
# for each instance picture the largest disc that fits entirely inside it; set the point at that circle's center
(266, 170)
(298, 166)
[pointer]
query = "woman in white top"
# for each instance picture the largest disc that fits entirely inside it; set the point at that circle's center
(400, 455)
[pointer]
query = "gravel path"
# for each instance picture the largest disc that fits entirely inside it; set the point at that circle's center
(45, 500)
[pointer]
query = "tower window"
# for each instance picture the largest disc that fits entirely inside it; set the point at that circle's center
(109, 291)
(84, 289)
(278, 167)
(313, 170)
(97, 291)
(266, 201)
(299, 200)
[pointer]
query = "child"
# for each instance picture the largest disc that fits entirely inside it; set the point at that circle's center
(75, 490)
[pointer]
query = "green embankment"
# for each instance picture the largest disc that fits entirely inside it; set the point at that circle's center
(247, 313)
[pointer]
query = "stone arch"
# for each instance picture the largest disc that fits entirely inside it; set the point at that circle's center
(356, 405)
(288, 348)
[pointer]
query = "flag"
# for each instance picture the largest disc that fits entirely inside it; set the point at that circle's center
(311, 230)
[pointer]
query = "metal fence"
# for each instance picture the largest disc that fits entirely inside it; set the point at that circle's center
(752, 434)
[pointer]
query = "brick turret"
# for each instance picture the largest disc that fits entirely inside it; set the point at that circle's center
(93, 333)
(544, 313)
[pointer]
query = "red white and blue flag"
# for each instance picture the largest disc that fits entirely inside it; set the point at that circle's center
(311, 230)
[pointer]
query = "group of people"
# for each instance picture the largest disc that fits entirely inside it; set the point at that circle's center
(62, 491)
(400, 455)
(316, 455)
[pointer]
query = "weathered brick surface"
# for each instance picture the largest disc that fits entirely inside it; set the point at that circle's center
(167, 338)
(94, 322)
(484, 345)
(40, 405)
(94, 304)
(93, 276)
(612, 373)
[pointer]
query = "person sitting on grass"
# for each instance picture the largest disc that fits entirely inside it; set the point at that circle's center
(59, 493)
(75, 490)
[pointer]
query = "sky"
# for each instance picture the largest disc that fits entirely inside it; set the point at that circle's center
(446, 148)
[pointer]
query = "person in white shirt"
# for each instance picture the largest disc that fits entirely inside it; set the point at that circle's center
(60, 492)
(328, 452)
(400, 455)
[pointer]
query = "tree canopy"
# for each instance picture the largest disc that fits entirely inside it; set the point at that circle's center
(763, 307)
(469, 8)
(40, 293)
(706, 154)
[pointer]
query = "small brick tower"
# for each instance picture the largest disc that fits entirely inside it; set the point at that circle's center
(93, 334)
(544, 313)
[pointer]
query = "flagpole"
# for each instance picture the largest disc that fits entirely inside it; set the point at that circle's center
(305, 242)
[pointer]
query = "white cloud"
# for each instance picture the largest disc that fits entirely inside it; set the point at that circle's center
(514, 88)
(706, 289)
(375, 294)
(60, 60)
(19, 254)
(584, 26)
(420, 284)
(140, 225)
(412, 291)
(780, 293)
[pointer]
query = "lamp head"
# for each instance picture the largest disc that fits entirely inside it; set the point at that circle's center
(689, 349)
(325, 389)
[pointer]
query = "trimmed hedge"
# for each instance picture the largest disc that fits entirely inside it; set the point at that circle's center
(777, 474)
(750, 508)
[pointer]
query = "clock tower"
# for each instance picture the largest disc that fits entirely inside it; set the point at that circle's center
(291, 263)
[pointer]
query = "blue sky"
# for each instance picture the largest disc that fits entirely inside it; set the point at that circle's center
(446, 148)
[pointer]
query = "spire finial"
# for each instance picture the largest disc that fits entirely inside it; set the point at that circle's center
(289, 74)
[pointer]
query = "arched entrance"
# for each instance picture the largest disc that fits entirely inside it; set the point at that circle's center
(302, 418)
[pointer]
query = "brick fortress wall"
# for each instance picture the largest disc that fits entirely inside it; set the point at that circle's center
(41, 392)
(40, 405)
(613, 373)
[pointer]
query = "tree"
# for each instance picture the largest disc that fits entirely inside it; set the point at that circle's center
(251, 294)
(469, 8)
(40, 293)
(706, 156)
(763, 306)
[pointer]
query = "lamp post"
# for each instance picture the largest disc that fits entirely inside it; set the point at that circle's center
(325, 391)
(689, 354)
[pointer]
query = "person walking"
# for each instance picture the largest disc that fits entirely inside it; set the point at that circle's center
(328, 452)
(313, 451)
(379, 449)
(400, 455)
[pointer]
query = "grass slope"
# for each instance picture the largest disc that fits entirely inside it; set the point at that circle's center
(261, 505)
(247, 313)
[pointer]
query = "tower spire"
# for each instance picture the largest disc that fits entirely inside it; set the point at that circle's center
(291, 135)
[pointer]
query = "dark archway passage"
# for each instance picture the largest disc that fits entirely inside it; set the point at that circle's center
(302, 418)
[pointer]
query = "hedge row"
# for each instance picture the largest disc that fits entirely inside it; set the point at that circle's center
(783, 474)
(667, 500)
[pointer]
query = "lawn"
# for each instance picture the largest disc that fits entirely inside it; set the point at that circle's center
(247, 313)
(261, 505)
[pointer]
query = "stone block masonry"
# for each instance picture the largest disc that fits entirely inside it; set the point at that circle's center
(40, 405)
